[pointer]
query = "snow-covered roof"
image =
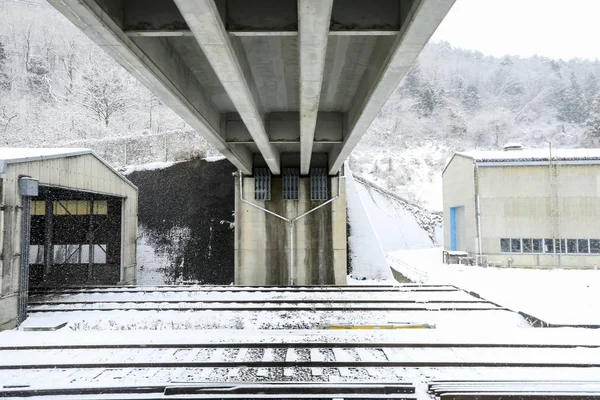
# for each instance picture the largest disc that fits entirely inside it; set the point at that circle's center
(491, 158)
(532, 155)
(14, 155)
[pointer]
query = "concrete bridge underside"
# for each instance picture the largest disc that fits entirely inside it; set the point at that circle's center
(277, 84)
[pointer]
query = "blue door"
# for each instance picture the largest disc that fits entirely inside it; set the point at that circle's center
(453, 228)
(456, 221)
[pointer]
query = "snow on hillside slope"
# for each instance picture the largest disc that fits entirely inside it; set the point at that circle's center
(380, 222)
(366, 257)
(399, 224)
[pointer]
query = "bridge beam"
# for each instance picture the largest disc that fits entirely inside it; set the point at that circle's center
(160, 68)
(420, 19)
(232, 69)
(313, 27)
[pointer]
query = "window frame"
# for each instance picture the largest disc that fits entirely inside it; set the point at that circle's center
(545, 246)
(512, 245)
(571, 246)
(530, 243)
(587, 244)
(597, 242)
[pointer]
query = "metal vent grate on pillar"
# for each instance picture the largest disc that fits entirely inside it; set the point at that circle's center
(318, 184)
(262, 184)
(290, 183)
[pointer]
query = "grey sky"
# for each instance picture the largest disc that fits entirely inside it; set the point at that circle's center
(551, 28)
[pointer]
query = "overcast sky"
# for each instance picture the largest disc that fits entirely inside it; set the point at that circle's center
(552, 28)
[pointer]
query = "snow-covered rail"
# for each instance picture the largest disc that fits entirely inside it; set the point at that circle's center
(346, 299)
(238, 289)
(515, 389)
(80, 370)
(282, 390)
(261, 307)
(298, 355)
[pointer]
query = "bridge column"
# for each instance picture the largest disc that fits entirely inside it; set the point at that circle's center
(263, 241)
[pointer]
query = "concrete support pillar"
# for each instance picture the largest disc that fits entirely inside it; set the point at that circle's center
(262, 241)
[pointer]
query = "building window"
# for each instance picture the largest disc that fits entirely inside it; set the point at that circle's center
(527, 246)
(583, 246)
(36, 254)
(100, 207)
(595, 246)
(38, 207)
(69, 254)
(560, 246)
(80, 207)
(78, 254)
(548, 245)
(100, 254)
(572, 246)
(515, 245)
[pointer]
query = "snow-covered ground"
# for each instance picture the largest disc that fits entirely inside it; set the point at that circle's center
(561, 297)
(148, 166)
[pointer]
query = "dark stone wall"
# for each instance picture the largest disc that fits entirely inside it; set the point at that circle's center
(199, 196)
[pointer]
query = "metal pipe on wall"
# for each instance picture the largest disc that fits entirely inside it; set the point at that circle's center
(478, 213)
(290, 221)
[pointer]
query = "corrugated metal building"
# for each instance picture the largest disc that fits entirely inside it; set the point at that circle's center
(67, 218)
(525, 208)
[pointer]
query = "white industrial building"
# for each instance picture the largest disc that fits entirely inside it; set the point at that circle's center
(524, 208)
(66, 218)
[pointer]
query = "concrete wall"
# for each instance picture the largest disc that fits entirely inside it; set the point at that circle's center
(459, 190)
(262, 240)
(517, 202)
(83, 173)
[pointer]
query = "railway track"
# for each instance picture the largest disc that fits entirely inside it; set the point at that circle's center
(434, 298)
(261, 342)
(297, 355)
(167, 370)
(259, 307)
(238, 289)
(514, 389)
(394, 390)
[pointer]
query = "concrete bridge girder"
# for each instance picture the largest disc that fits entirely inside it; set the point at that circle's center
(265, 78)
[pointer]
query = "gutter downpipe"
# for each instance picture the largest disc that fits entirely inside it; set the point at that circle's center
(290, 221)
(478, 211)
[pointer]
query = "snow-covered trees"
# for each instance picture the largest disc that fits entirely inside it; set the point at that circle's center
(464, 99)
(4, 79)
(593, 122)
(572, 106)
(56, 86)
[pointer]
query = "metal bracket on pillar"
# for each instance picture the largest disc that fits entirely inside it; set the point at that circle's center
(291, 221)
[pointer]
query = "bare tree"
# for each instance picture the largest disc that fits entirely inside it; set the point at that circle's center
(105, 95)
(6, 116)
(27, 46)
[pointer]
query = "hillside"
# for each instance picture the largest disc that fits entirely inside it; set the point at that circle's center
(57, 87)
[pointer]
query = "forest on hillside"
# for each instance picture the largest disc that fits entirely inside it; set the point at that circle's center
(456, 96)
(59, 88)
